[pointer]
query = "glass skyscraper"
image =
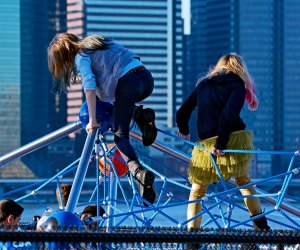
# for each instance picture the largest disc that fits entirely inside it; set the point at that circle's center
(28, 109)
(10, 71)
(75, 24)
(259, 48)
(288, 74)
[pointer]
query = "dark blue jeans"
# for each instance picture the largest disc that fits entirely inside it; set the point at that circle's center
(131, 88)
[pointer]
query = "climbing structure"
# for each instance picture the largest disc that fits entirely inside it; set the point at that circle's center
(115, 191)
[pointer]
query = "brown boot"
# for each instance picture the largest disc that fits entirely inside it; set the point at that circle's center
(144, 180)
(145, 119)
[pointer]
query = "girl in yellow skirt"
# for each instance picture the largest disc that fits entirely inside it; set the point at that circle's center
(220, 97)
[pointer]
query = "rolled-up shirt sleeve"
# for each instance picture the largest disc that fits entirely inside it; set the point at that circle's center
(84, 69)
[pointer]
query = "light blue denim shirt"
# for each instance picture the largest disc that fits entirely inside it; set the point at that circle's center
(101, 69)
(83, 65)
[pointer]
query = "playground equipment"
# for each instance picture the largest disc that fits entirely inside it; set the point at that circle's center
(222, 209)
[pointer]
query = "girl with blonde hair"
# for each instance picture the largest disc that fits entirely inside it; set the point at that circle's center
(114, 74)
(220, 97)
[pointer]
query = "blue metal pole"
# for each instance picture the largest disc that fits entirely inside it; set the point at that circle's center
(113, 187)
(41, 142)
(81, 171)
(113, 201)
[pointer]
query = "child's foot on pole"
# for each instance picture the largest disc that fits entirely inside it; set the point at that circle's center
(144, 180)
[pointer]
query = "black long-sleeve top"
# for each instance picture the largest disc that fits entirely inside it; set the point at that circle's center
(219, 100)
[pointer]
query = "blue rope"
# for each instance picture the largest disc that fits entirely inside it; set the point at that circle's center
(160, 164)
(286, 182)
(58, 175)
(289, 218)
(218, 171)
(231, 150)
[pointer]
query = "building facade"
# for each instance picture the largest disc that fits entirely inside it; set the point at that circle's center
(28, 108)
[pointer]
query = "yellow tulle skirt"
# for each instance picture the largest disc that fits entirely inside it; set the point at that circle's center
(201, 169)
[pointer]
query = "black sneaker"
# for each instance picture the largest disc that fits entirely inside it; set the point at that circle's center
(145, 119)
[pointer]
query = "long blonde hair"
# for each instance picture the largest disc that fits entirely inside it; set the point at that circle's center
(61, 56)
(234, 63)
